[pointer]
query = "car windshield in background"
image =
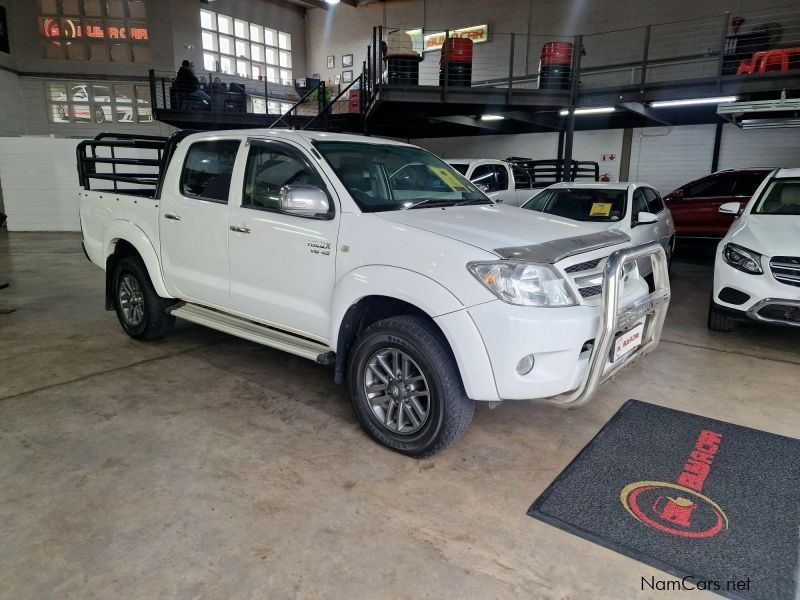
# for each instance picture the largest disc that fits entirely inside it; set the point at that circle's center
(460, 167)
(381, 178)
(581, 204)
(782, 197)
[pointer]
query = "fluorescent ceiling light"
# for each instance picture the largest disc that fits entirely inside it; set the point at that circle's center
(589, 111)
(492, 118)
(332, 1)
(693, 101)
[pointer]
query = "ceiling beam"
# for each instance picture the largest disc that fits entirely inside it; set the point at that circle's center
(642, 110)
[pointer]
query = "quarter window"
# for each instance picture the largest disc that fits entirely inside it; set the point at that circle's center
(269, 168)
(208, 169)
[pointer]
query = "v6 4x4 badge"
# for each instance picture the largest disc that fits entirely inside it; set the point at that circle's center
(680, 508)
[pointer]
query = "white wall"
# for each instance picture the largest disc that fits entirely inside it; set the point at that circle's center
(40, 183)
(759, 148)
(667, 158)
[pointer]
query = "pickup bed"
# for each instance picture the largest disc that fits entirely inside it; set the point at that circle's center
(374, 257)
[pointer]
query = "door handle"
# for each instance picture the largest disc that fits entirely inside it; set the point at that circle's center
(239, 229)
(172, 217)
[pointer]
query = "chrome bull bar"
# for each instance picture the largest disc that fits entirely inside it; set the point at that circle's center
(653, 306)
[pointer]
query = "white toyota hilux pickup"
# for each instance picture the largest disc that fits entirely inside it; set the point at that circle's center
(372, 256)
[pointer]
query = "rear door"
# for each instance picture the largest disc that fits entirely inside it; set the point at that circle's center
(194, 223)
(696, 213)
(283, 266)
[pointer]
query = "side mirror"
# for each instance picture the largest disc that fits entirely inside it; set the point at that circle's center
(304, 201)
(730, 208)
(643, 218)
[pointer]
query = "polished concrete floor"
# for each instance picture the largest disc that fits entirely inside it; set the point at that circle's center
(202, 466)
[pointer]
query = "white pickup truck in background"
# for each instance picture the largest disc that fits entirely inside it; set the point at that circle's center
(372, 256)
(516, 180)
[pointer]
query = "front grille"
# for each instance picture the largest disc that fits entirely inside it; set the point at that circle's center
(584, 266)
(590, 292)
(786, 269)
(781, 312)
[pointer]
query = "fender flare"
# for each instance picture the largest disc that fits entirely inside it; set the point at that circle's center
(421, 291)
(125, 230)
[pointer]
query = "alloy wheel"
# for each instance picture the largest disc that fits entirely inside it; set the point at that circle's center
(397, 391)
(131, 300)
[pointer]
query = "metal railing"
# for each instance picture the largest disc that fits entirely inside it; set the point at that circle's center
(339, 106)
(310, 105)
(708, 49)
(222, 94)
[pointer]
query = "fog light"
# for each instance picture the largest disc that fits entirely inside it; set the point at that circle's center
(525, 364)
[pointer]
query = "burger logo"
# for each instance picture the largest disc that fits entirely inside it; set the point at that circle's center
(680, 508)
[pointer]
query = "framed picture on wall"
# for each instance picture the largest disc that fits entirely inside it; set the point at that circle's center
(347, 76)
(331, 62)
(347, 60)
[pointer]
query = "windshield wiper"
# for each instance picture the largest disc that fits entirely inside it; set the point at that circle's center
(431, 202)
(474, 201)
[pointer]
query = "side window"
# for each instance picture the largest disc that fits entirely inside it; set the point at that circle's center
(654, 203)
(639, 203)
(746, 185)
(484, 176)
(502, 177)
(269, 168)
(207, 171)
(718, 185)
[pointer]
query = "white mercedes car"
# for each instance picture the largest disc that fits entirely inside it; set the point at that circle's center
(636, 209)
(757, 267)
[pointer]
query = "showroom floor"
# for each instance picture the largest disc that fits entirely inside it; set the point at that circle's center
(206, 466)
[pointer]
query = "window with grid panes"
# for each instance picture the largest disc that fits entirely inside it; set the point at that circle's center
(236, 47)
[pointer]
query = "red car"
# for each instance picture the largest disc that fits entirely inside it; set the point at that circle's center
(695, 206)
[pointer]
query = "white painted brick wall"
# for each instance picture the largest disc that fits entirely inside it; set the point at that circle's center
(40, 183)
(759, 148)
(667, 158)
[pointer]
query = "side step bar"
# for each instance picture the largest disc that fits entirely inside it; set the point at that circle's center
(255, 332)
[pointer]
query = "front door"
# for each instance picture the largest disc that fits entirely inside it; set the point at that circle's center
(282, 265)
(194, 224)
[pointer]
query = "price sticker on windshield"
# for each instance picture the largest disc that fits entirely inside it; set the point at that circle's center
(451, 180)
(600, 209)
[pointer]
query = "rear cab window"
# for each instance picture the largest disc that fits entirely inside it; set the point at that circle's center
(207, 170)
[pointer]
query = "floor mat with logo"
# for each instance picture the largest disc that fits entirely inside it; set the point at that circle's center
(714, 504)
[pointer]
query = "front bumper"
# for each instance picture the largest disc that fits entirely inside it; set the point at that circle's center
(571, 346)
(768, 300)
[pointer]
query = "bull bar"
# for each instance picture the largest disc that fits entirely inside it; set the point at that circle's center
(653, 306)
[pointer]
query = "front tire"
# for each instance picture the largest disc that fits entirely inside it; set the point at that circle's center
(141, 312)
(719, 321)
(405, 387)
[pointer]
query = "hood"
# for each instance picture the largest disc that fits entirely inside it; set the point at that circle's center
(490, 227)
(772, 235)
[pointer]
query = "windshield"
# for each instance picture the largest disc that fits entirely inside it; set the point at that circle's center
(782, 197)
(384, 177)
(581, 204)
(460, 167)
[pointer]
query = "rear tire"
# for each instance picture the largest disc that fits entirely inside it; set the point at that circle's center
(719, 321)
(405, 387)
(141, 312)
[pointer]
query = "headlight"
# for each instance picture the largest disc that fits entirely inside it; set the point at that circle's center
(742, 259)
(524, 284)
